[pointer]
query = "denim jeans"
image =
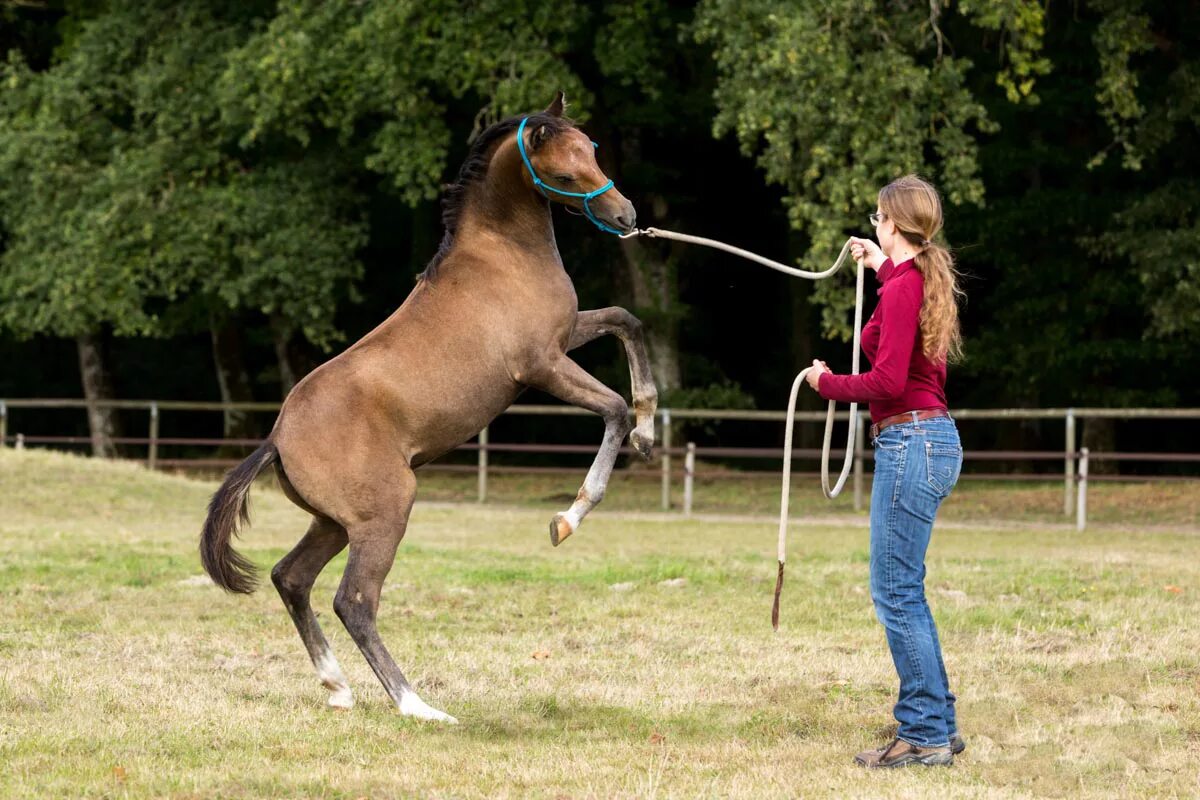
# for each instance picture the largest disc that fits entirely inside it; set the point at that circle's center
(916, 467)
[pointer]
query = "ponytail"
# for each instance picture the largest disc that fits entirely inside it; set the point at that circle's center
(940, 333)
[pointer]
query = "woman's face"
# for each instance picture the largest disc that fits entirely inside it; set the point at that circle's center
(885, 232)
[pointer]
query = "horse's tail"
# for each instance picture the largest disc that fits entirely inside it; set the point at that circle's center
(229, 508)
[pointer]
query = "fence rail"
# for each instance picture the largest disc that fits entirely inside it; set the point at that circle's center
(1074, 476)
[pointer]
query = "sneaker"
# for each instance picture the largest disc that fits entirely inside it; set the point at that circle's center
(902, 754)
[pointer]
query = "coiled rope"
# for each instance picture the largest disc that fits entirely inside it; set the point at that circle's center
(830, 491)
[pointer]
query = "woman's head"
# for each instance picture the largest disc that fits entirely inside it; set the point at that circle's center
(910, 217)
(911, 214)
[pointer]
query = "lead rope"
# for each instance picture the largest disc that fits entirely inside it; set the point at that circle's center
(835, 490)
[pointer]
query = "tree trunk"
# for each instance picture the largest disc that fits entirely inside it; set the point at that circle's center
(233, 379)
(655, 294)
(650, 277)
(97, 385)
(1100, 436)
(286, 356)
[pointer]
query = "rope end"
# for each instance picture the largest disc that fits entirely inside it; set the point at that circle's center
(775, 605)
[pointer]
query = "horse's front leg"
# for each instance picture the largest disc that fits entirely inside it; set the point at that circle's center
(567, 381)
(617, 321)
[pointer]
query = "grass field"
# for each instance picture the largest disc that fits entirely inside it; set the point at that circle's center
(637, 660)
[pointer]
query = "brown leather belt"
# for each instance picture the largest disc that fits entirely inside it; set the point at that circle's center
(907, 416)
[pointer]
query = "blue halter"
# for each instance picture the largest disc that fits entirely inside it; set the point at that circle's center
(543, 187)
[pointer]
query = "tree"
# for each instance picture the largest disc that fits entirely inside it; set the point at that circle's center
(129, 206)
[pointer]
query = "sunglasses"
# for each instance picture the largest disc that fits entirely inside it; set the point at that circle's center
(876, 217)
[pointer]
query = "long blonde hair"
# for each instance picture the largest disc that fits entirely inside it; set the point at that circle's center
(916, 209)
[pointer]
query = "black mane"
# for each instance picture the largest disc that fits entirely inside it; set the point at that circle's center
(454, 195)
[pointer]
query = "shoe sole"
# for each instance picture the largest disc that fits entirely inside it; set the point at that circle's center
(932, 760)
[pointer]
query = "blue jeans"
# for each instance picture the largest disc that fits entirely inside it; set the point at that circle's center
(916, 466)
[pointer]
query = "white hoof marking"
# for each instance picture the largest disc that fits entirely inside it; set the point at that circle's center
(413, 706)
(332, 678)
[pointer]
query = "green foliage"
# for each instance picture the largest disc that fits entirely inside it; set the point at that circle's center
(724, 394)
(165, 164)
(124, 192)
(1023, 25)
(1149, 95)
(1122, 34)
(383, 71)
(833, 102)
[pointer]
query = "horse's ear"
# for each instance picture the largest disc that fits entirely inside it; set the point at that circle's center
(540, 136)
(556, 108)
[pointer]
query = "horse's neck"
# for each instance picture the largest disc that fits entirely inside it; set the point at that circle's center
(503, 209)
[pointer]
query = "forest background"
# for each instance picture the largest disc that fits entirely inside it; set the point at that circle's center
(203, 200)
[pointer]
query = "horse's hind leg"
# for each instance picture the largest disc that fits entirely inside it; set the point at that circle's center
(373, 543)
(570, 383)
(293, 577)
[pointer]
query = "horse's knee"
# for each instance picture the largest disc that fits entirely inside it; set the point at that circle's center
(616, 414)
(631, 324)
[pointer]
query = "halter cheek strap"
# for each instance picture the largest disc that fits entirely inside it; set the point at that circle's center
(544, 187)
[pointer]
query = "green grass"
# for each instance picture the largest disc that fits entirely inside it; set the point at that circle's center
(1076, 656)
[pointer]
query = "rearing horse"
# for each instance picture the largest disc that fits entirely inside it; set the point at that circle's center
(493, 313)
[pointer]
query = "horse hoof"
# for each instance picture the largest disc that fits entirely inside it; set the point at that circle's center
(560, 529)
(644, 449)
(413, 706)
(642, 443)
(341, 700)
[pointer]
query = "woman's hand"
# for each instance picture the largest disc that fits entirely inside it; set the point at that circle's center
(813, 378)
(865, 251)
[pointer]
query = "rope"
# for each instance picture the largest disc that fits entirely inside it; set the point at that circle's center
(835, 490)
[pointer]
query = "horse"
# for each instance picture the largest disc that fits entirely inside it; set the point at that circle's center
(493, 313)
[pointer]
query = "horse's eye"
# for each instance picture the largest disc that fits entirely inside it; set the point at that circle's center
(564, 179)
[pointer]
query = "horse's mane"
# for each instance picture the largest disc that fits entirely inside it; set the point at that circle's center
(454, 195)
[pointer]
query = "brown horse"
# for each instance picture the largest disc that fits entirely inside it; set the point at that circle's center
(493, 313)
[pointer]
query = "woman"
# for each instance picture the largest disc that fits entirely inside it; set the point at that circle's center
(909, 339)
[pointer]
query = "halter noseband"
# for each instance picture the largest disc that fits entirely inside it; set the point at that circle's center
(544, 187)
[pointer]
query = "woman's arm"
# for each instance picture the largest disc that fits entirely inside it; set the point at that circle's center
(900, 309)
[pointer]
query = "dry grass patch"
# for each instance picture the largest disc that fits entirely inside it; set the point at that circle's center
(636, 660)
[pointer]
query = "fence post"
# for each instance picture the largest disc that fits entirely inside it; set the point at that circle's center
(20, 441)
(152, 456)
(689, 472)
(3, 424)
(483, 465)
(859, 443)
(1068, 465)
(666, 459)
(1081, 505)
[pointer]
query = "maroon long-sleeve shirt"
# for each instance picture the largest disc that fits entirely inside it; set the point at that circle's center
(901, 378)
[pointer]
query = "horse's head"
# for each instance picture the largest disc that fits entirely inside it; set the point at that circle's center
(561, 163)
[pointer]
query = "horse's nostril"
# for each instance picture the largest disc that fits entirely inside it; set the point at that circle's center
(626, 221)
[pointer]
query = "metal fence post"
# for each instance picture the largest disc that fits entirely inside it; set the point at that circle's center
(1068, 465)
(859, 443)
(483, 465)
(666, 459)
(1081, 505)
(152, 456)
(3, 424)
(689, 472)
